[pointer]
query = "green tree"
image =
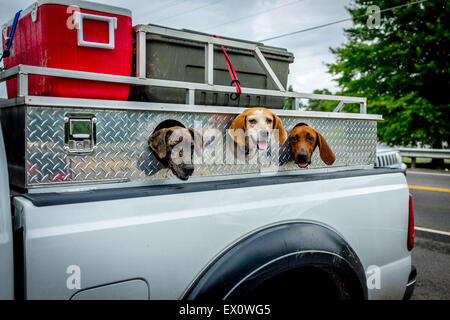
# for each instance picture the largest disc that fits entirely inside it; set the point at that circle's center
(402, 67)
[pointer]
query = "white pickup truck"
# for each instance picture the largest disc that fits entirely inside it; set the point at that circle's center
(334, 234)
(87, 212)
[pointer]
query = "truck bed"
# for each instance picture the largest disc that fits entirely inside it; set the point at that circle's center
(162, 238)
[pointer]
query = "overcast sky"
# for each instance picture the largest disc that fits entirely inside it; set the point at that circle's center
(255, 20)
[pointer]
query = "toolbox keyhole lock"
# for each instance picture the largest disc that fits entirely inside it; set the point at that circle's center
(80, 133)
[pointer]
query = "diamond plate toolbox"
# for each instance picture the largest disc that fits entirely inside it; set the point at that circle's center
(38, 153)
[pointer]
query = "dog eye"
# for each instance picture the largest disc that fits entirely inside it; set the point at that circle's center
(310, 138)
(252, 121)
(180, 139)
(269, 120)
(181, 153)
(294, 139)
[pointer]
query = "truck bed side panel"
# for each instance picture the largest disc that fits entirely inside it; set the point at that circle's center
(167, 240)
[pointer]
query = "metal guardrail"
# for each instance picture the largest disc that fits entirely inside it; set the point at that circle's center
(425, 153)
(414, 153)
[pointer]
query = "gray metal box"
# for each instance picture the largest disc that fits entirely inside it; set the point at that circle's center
(183, 60)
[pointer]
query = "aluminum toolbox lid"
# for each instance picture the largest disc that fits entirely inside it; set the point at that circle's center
(100, 7)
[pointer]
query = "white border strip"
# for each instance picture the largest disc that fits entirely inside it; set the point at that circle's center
(444, 233)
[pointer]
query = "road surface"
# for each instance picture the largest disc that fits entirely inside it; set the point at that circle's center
(431, 254)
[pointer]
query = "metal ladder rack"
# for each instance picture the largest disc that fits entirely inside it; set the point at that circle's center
(23, 71)
(209, 43)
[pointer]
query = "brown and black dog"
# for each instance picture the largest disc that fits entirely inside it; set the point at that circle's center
(303, 140)
(254, 126)
(174, 148)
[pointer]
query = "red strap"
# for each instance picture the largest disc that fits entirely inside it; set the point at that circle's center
(232, 71)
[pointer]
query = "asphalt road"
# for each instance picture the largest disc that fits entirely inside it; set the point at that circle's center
(431, 254)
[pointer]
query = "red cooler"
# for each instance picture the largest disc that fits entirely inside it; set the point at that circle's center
(74, 35)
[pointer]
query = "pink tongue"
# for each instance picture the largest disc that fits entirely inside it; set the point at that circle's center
(302, 165)
(262, 145)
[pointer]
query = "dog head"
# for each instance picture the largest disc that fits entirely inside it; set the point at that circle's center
(304, 140)
(174, 147)
(257, 124)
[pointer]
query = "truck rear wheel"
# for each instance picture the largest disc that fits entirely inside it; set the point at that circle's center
(305, 283)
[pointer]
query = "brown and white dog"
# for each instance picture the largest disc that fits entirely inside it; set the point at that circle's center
(254, 127)
(303, 140)
(174, 148)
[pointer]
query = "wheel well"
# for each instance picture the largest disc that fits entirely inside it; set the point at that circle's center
(293, 255)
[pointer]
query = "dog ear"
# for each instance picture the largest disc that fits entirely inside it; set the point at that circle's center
(326, 154)
(238, 127)
(278, 125)
(157, 142)
(197, 142)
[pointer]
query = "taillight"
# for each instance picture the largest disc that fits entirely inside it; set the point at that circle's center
(410, 242)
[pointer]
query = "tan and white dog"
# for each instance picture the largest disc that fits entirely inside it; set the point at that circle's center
(253, 129)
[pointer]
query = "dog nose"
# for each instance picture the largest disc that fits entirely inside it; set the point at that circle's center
(264, 133)
(189, 168)
(302, 156)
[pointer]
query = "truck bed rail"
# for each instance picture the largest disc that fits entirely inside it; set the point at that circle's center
(23, 71)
